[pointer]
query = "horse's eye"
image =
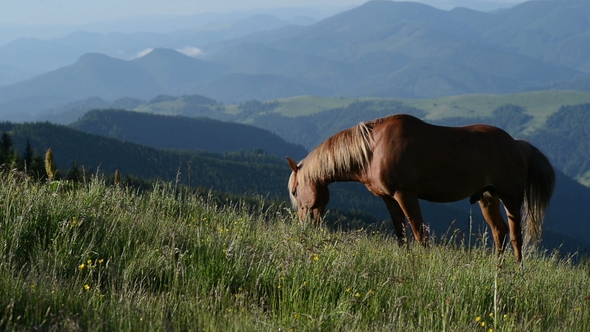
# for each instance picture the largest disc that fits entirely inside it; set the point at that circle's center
(294, 193)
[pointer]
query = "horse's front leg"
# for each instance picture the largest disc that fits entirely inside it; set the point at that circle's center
(398, 218)
(411, 208)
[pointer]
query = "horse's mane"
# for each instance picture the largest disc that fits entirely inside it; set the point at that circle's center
(346, 151)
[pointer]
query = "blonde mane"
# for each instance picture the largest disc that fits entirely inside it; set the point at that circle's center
(346, 151)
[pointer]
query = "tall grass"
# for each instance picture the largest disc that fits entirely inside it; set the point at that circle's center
(104, 258)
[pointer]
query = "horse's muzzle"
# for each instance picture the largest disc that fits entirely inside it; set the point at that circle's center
(313, 215)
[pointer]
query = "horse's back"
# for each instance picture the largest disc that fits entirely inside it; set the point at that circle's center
(444, 163)
(408, 126)
(407, 132)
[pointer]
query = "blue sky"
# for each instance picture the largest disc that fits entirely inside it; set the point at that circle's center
(85, 11)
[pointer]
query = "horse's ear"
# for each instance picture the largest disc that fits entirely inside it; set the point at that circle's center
(293, 164)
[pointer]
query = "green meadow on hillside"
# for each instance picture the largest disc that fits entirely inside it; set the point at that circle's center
(539, 104)
(96, 257)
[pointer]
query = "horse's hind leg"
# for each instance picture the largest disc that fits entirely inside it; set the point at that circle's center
(514, 219)
(411, 208)
(397, 216)
(490, 207)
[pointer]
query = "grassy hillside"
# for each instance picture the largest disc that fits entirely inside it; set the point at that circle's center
(188, 105)
(240, 173)
(103, 258)
(539, 104)
(307, 105)
(258, 174)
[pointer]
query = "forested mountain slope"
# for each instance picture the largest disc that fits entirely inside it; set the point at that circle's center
(184, 133)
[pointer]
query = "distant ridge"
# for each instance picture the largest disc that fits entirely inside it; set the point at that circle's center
(183, 133)
(92, 75)
(178, 73)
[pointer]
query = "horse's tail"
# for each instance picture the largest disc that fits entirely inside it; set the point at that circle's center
(540, 183)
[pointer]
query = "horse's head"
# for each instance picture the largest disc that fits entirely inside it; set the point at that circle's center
(308, 197)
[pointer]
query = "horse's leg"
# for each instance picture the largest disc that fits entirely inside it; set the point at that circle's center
(411, 208)
(397, 216)
(514, 218)
(490, 207)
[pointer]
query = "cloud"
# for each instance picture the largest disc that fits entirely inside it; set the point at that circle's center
(191, 51)
(144, 52)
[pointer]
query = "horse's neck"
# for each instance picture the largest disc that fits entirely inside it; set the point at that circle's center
(345, 177)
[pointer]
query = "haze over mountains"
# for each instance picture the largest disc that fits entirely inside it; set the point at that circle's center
(379, 49)
(29, 20)
(50, 54)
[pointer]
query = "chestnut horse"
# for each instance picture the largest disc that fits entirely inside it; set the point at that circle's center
(402, 159)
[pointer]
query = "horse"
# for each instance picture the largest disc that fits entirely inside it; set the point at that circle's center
(401, 159)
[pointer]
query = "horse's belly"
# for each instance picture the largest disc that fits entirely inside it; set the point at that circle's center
(448, 192)
(444, 198)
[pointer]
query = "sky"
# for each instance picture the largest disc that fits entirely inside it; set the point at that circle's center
(24, 12)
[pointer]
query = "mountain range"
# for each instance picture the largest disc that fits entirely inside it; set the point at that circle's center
(42, 55)
(379, 49)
